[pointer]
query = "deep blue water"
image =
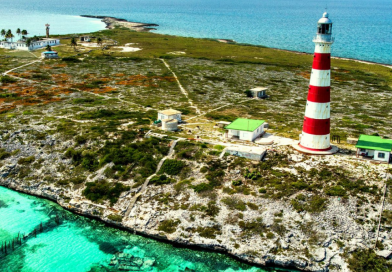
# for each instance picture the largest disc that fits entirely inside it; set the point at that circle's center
(362, 27)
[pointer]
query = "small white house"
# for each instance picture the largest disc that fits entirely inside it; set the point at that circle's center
(246, 129)
(374, 147)
(259, 92)
(170, 114)
(50, 55)
(21, 45)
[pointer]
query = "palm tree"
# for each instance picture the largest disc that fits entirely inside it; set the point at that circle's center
(48, 48)
(73, 43)
(9, 35)
(18, 32)
(2, 33)
(28, 42)
(24, 32)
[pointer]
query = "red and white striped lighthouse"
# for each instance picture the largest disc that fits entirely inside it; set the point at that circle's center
(315, 135)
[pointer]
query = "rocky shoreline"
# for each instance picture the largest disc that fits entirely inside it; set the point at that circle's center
(52, 196)
(112, 22)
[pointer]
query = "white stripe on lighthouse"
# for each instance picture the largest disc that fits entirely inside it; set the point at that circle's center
(315, 141)
(322, 48)
(320, 78)
(317, 110)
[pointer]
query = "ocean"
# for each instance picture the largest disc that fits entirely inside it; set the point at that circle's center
(361, 27)
(79, 244)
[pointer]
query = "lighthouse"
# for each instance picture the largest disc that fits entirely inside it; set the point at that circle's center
(315, 137)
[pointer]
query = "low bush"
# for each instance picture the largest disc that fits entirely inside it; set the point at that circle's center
(161, 180)
(234, 203)
(115, 217)
(102, 190)
(236, 182)
(367, 260)
(209, 232)
(172, 167)
(26, 160)
(168, 226)
(4, 154)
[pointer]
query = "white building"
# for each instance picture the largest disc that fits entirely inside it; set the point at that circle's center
(246, 129)
(374, 147)
(169, 114)
(21, 45)
(259, 92)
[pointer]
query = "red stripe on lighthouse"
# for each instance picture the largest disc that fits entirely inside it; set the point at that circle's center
(319, 94)
(322, 61)
(316, 126)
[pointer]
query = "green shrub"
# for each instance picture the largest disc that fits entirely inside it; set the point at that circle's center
(102, 190)
(252, 206)
(255, 227)
(313, 204)
(234, 203)
(270, 235)
(236, 182)
(161, 180)
(172, 167)
(181, 185)
(7, 79)
(209, 232)
(212, 209)
(219, 147)
(336, 191)
(202, 187)
(367, 260)
(204, 169)
(4, 154)
(168, 226)
(26, 160)
(115, 217)
(71, 59)
(262, 190)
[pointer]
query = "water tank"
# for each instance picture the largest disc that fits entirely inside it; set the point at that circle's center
(170, 124)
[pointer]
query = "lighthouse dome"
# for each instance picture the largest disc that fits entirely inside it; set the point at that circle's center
(325, 19)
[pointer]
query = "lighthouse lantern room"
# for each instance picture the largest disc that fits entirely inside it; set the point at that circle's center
(315, 137)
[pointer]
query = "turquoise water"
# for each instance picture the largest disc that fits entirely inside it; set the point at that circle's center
(79, 244)
(361, 27)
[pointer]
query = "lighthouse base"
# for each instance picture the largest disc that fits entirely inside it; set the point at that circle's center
(304, 150)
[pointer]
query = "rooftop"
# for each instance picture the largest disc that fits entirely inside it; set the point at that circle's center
(259, 89)
(245, 124)
(170, 112)
(50, 52)
(374, 143)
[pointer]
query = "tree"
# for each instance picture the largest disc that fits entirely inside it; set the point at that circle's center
(28, 42)
(73, 43)
(9, 35)
(2, 33)
(24, 32)
(18, 32)
(48, 48)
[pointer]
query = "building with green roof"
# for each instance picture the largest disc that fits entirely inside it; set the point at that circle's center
(374, 147)
(246, 129)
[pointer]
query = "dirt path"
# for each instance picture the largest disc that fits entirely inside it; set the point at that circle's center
(181, 87)
(24, 65)
(144, 187)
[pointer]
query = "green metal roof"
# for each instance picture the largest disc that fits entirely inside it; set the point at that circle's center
(245, 124)
(374, 143)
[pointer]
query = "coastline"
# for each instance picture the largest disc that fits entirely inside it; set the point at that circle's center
(181, 244)
(112, 22)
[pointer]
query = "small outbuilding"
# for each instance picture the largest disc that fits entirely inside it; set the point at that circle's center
(85, 38)
(50, 55)
(246, 129)
(170, 114)
(374, 147)
(170, 124)
(259, 92)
